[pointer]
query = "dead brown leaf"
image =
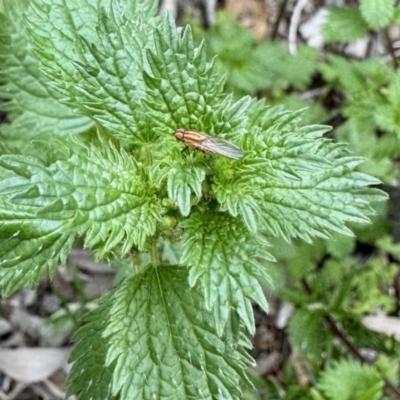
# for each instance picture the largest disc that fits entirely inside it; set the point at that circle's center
(253, 15)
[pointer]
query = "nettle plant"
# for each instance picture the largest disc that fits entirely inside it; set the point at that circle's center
(127, 80)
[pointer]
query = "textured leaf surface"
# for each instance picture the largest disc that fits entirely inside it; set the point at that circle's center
(30, 247)
(93, 54)
(89, 377)
(184, 90)
(33, 106)
(301, 190)
(307, 186)
(164, 344)
(182, 180)
(298, 184)
(223, 255)
(66, 189)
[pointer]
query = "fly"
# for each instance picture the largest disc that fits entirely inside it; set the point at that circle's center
(209, 144)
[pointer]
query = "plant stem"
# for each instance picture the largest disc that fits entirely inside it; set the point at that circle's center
(155, 259)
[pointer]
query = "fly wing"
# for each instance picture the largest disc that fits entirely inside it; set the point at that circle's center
(220, 146)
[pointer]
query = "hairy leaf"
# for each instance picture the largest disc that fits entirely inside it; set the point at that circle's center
(223, 255)
(181, 181)
(93, 54)
(296, 184)
(89, 377)
(30, 247)
(65, 189)
(182, 87)
(184, 90)
(164, 344)
(33, 106)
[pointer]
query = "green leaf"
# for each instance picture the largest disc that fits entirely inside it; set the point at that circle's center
(387, 113)
(65, 189)
(344, 24)
(33, 106)
(307, 334)
(296, 183)
(223, 255)
(183, 90)
(315, 112)
(351, 75)
(94, 55)
(251, 66)
(369, 288)
(89, 377)
(163, 342)
(357, 382)
(378, 13)
(146, 8)
(182, 180)
(30, 247)
(340, 246)
(243, 61)
(396, 15)
(292, 69)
